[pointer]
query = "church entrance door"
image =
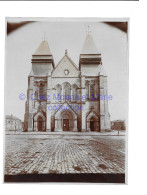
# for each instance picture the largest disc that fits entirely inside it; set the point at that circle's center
(40, 124)
(92, 125)
(65, 124)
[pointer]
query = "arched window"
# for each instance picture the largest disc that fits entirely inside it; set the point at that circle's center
(92, 92)
(87, 91)
(36, 93)
(58, 91)
(74, 92)
(41, 90)
(67, 91)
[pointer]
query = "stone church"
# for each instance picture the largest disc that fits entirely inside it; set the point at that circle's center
(65, 97)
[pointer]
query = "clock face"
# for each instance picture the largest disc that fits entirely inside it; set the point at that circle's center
(66, 72)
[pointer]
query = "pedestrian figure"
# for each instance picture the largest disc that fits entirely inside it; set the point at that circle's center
(118, 132)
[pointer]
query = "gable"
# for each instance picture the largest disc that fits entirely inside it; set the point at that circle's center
(39, 114)
(65, 107)
(92, 114)
(65, 68)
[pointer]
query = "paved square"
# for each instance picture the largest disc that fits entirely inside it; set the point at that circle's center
(64, 153)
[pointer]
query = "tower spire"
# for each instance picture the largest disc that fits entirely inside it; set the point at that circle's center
(43, 49)
(89, 54)
(89, 46)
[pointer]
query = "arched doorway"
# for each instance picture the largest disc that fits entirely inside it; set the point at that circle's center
(40, 123)
(92, 124)
(67, 121)
(67, 91)
(65, 125)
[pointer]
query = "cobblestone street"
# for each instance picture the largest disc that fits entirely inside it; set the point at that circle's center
(41, 154)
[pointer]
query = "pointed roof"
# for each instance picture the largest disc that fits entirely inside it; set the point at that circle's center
(12, 117)
(66, 56)
(43, 49)
(89, 46)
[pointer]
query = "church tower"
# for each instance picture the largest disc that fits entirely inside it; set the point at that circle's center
(93, 84)
(42, 65)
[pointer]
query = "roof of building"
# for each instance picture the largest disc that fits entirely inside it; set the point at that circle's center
(89, 46)
(43, 49)
(118, 121)
(69, 58)
(12, 117)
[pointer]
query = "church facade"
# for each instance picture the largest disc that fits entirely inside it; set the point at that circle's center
(66, 97)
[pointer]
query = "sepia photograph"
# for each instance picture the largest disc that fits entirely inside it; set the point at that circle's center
(66, 100)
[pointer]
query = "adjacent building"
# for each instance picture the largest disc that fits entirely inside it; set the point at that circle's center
(12, 123)
(65, 97)
(118, 125)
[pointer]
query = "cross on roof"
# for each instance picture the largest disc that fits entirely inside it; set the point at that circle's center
(66, 51)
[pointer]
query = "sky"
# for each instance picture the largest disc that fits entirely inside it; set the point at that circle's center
(61, 34)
